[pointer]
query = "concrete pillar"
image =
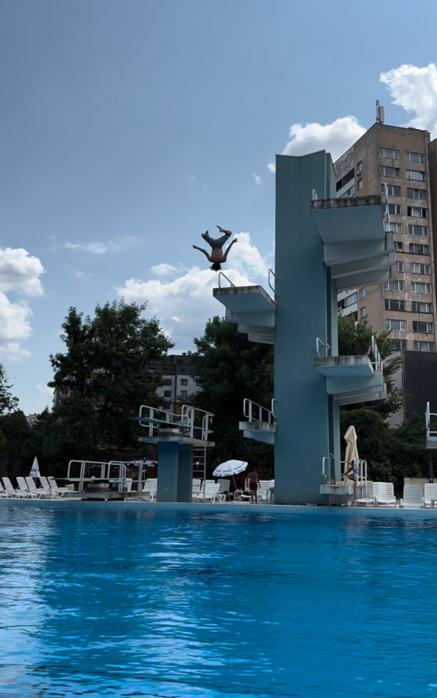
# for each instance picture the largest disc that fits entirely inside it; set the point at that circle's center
(304, 312)
(185, 473)
(168, 462)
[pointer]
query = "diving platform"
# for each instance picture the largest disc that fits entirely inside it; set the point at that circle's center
(251, 308)
(259, 423)
(348, 219)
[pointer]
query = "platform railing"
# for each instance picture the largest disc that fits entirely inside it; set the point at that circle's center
(321, 343)
(377, 363)
(191, 421)
(272, 275)
(221, 276)
(257, 413)
(97, 470)
(429, 432)
(360, 476)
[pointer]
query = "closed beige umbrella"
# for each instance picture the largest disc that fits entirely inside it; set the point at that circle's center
(351, 453)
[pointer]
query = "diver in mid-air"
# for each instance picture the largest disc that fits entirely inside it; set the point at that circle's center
(217, 257)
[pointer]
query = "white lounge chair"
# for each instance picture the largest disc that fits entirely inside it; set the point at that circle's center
(34, 490)
(223, 492)
(149, 489)
(51, 484)
(263, 490)
(3, 492)
(199, 494)
(22, 487)
(11, 491)
(211, 492)
(413, 497)
(369, 496)
(430, 494)
(384, 493)
(195, 486)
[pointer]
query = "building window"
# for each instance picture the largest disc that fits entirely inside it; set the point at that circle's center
(350, 300)
(390, 172)
(184, 381)
(420, 268)
(392, 190)
(167, 381)
(416, 193)
(359, 167)
(166, 406)
(389, 153)
(399, 325)
(395, 209)
(183, 393)
(418, 230)
(415, 157)
(348, 192)
(348, 177)
(416, 211)
(362, 292)
(423, 346)
(420, 288)
(394, 305)
(399, 246)
(418, 307)
(363, 313)
(393, 227)
(399, 344)
(394, 286)
(167, 393)
(360, 184)
(416, 175)
(399, 266)
(418, 249)
(425, 327)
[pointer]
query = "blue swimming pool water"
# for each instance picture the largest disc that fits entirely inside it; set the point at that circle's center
(96, 603)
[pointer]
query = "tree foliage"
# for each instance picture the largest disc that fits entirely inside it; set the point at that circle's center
(229, 368)
(104, 372)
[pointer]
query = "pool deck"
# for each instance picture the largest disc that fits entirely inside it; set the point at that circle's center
(218, 508)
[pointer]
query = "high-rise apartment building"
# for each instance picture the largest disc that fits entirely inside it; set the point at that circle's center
(397, 163)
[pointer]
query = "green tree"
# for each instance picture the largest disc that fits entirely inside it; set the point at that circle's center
(105, 373)
(8, 404)
(229, 368)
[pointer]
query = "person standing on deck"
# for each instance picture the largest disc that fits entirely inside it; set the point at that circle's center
(253, 486)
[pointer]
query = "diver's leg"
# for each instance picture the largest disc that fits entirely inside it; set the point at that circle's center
(204, 252)
(225, 256)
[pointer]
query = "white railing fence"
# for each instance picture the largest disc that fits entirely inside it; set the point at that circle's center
(257, 413)
(191, 421)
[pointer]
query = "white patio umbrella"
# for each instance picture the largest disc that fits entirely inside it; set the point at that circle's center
(34, 471)
(351, 449)
(230, 468)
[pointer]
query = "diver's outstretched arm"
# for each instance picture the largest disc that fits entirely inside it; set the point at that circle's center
(225, 256)
(228, 233)
(204, 252)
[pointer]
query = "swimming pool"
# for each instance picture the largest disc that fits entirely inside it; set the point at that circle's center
(102, 603)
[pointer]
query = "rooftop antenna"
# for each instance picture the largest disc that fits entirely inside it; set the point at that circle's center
(380, 114)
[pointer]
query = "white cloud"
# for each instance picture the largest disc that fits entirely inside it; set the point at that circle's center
(415, 90)
(94, 247)
(163, 269)
(20, 272)
(13, 352)
(83, 274)
(14, 320)
(335, 138)
(184, 304)
(257, 178)
(45, 390)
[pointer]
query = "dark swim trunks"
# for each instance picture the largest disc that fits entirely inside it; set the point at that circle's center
(253, 485)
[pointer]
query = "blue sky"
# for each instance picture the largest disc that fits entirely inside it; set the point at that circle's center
(129, 128)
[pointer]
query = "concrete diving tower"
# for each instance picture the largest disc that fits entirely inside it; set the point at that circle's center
(175, 435)
(322, 245)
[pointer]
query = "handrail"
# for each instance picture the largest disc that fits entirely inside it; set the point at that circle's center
(272, 407)
(221, 274)
(270, 274)
(314, 195)
(324, 460)
(320, 342)
(361, 476)
(428, 416)
(248, 411)
(376, 355)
